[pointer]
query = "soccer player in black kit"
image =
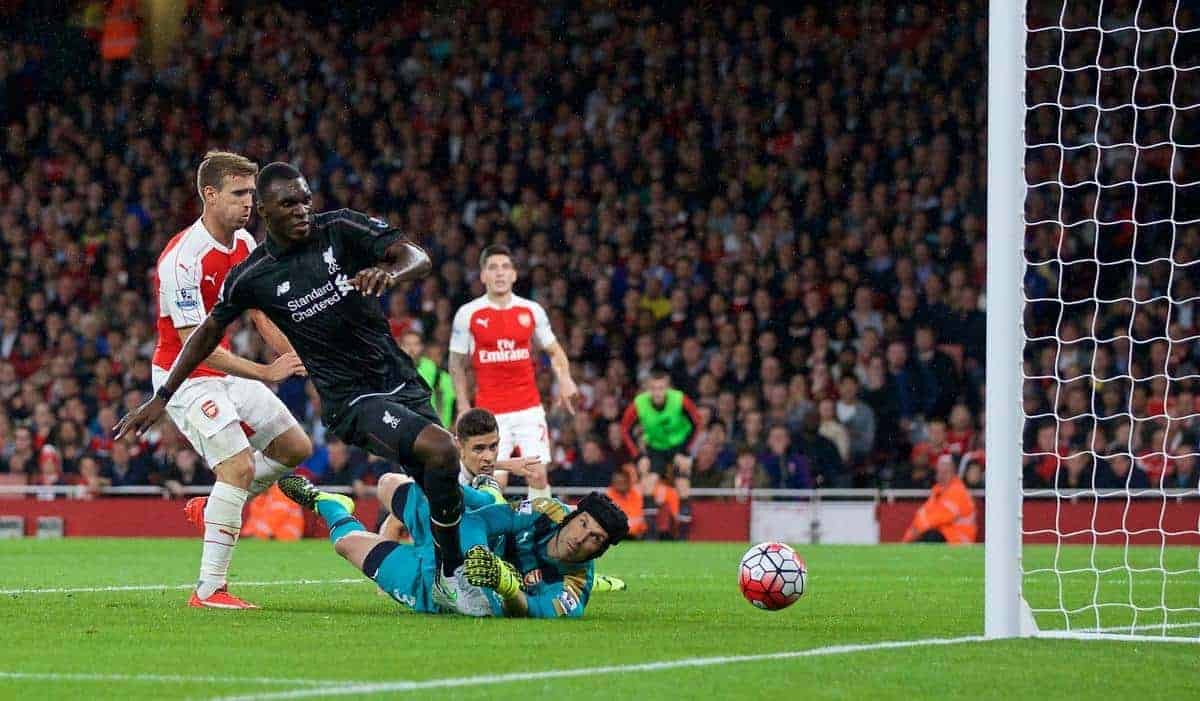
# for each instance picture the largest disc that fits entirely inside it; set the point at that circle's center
(318, 276)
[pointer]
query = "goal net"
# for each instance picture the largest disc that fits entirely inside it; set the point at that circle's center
(1110, 401)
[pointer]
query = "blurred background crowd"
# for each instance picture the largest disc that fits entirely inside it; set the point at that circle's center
(782, 207)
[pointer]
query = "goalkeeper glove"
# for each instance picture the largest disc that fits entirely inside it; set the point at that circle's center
(488, 485)
(484, 569)
(604, 582)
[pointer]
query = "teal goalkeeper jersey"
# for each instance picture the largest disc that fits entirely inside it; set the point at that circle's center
(552, 588)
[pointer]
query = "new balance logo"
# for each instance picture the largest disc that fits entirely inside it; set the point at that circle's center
(482, 322)
(283, 288)
(343, 284)
(393, 421)
(331, 261)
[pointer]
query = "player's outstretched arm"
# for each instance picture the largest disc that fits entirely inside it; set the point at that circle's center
(286, 365)
(568, 391)
(199, 345)
(532, 470)
(271, 333)
(402, 261)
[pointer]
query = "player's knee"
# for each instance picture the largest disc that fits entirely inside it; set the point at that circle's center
(683, 485)
(237, 470)
(442, 454)
(392, 480)
(389, 483)
(342, 545)
(291, 448)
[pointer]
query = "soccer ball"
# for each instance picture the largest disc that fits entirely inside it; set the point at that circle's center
(772, 576)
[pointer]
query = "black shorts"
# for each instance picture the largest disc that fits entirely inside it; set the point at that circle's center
(660, 460)
(387, 425)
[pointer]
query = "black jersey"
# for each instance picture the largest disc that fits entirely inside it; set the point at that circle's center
(342, 337)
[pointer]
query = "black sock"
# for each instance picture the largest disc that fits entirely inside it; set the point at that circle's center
(445, 508)
(448, 549)
(685, 518)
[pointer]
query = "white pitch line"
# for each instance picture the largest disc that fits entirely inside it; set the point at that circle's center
(454, 682)
(176, 678)
(1084, 635)
(1140, 626)
(165, 587)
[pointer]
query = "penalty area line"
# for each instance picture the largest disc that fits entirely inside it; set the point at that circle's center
(168, 587)
(482, 680)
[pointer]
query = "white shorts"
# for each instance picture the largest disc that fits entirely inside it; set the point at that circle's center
(527, 430)
(211, 411)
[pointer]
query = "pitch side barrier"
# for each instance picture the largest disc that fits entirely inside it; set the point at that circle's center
(832, 516)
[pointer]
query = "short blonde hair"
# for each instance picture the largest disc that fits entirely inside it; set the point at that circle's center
(218, 165)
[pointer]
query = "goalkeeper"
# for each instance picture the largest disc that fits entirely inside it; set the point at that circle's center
(552, 547)
(479, 442)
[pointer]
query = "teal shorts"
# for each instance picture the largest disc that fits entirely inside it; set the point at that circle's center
(406, 572)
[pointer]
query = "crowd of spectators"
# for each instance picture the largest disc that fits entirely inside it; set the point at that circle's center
(783, 207)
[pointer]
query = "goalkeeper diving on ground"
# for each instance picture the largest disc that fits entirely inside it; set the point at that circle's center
(478, 437)
(478, 434)
(552, 547)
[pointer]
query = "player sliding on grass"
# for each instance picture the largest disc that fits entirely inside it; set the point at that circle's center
(552, 547)
(316, 277)
(478, 435)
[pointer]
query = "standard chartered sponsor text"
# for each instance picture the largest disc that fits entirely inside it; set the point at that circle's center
(313, 302)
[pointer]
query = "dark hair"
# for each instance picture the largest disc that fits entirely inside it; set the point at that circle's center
(496, 249)
(610, 517)
(274, 172)
(475, 422)
(718, 422)
(658, 372)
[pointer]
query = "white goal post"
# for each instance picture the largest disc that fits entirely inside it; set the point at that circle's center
(1093, 394)
(1004, 295)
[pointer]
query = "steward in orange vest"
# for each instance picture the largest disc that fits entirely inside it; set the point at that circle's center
(629, 499)
(948, 515)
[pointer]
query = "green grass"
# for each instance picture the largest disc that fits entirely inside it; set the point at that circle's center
(682, 602)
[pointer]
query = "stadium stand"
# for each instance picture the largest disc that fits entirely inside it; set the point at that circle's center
(765, 202)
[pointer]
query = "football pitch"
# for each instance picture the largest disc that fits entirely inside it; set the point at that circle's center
(105, 618)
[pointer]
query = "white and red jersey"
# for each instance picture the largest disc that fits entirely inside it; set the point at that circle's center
(498, 341)
(190, 273)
